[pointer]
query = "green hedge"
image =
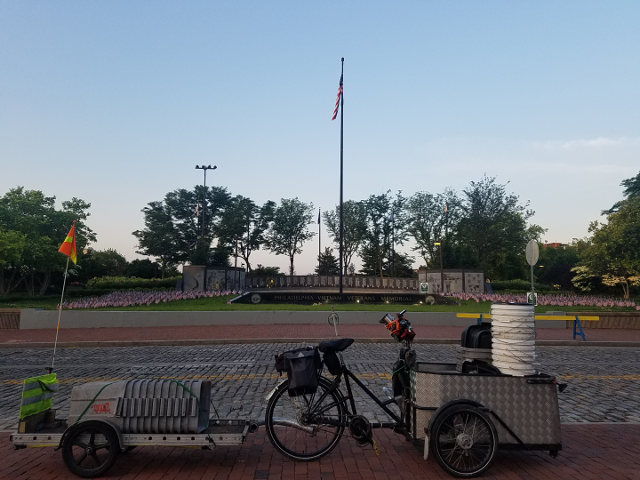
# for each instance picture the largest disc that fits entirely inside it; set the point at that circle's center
(128, 283)
(520, 286)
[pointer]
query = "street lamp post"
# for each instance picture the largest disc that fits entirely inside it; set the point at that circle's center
(204, 200)
(439, 244)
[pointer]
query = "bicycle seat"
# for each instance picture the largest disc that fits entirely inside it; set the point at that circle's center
(337, 345)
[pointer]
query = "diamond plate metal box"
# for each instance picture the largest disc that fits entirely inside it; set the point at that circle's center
(528, 406)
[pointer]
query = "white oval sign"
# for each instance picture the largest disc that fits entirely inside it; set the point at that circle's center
(532, 252)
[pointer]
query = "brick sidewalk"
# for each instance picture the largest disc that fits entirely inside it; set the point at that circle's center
(590, 452)
(278, 333)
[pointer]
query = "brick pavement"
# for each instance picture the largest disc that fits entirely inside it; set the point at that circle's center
(590, 452)
(282, 332)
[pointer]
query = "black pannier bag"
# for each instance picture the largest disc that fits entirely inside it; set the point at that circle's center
(302, 366)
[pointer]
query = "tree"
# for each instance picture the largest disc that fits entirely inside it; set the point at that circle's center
(262, 271)
(244, 225)
(354, 216)
(143, 268)
(289, 229)
(493, 227)
(35, 228)
(161, 238)
(631, 190)
(327, 263)
(12, 244)
(386, 223)
(556, 263)
(101, 263)
(430, 219)
(177, 229)
(613, 251)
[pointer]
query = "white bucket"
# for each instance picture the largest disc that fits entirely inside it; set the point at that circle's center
(513, 338)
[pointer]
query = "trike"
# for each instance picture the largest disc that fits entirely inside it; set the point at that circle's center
(462, 417)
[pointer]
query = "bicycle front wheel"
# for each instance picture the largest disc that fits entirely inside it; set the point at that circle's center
(305, 427)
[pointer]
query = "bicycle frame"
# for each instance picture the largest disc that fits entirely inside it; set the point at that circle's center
(398, 422)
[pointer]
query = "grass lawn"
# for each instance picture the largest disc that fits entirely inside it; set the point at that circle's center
(220, 304)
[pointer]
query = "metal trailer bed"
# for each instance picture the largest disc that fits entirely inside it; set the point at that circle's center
(221, 432)
(106, 418)
(455, 412)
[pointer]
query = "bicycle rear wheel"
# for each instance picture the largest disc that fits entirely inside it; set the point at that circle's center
(464, 441)
(305, 427)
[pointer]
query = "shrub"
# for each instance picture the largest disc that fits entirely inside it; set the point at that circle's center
(520, 286)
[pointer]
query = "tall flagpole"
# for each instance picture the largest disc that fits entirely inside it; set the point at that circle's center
(319, 242)
(341, 176)
(55, 343)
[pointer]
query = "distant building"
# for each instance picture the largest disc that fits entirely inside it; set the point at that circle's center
(555, 245)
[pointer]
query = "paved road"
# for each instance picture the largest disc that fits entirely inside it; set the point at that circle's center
(604, 383)
(604, 386)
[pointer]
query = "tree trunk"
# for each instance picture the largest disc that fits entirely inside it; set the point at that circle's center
(29, 285)
(625, 289)
(7, 285)
(44, 285)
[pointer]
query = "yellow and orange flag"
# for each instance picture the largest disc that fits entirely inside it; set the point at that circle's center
(68, 247)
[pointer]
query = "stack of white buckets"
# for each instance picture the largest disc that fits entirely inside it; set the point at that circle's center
(513, 344)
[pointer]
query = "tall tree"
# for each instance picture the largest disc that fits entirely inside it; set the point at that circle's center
(354, 226)
(386, 222)
(430, 219)
(183, 226)
(613, 251)
(289, 229)
(244, 224)
(30, 219)
(631, 191)
(161, 238)
(493, 226)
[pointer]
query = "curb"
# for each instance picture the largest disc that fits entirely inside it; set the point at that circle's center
(224, 341)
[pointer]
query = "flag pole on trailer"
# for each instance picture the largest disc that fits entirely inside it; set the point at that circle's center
(340, 105)
(67, 248)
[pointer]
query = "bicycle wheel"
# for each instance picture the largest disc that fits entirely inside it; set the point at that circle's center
(305, 427)
(464, 441)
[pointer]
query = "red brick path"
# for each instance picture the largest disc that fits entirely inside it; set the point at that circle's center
(273, 333)
(591, 452)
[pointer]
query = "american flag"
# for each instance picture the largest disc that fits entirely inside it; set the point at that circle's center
(335, 110)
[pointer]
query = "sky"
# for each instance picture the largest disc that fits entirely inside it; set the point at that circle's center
(116, 102)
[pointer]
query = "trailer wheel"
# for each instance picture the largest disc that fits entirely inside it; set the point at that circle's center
(90, 448)
(463, 440)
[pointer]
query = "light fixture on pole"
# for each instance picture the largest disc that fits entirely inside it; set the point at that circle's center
(204, 200)
(439, 244)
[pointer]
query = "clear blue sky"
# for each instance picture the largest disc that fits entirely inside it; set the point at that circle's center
(116, 102)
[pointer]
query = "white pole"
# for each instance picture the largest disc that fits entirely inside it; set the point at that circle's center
(55, 344)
